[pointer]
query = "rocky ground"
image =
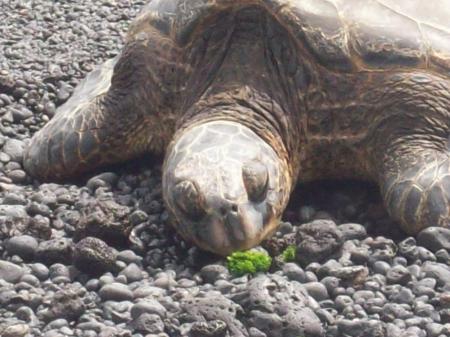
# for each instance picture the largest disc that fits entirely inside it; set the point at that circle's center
(65, 269)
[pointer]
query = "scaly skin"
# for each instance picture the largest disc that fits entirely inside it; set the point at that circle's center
(320, 88)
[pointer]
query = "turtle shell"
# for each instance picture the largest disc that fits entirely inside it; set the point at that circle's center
(348, 35)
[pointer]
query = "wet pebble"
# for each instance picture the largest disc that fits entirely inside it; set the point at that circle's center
(294, 272)
(132, 272)
(316, 290)
(14, 149)
(10, 272)
(24, 246)
(212, 273)
(148, 306)
(352, 231)
(115, 292)
(434, 238)
(16, 330)
(40, 271)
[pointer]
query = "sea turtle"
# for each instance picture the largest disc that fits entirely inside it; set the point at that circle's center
(247, 97)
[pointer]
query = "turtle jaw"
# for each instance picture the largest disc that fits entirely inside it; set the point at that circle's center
(239, 230)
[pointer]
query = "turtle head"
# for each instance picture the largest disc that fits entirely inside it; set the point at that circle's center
(225, 186)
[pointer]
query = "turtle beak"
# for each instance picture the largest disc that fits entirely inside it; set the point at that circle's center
(243, 226)
(239, 228)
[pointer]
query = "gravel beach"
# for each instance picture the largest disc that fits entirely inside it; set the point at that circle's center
(67, 267)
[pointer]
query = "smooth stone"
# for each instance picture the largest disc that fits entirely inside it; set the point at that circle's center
(24, 246)
(40, 271)
(434, 238)
(21, 114)
(415, 271)
(343, 301)
(92, 325)
(213, 272)
(17, 176)
(352, 231)
(4, 158)
(132, 272)
(148, 306)
(128, 256)
(25, 314)
(438, 271)
(16, 330)
(434, 329)
(294, 272)
(106, 279)
(106, 179)
(316, 290)
(14, 148)
(121, 279)
(57, 323)
(426, 310)
(381, 267)
(148, 291)
(30, 279)
(115, 292)
(331, 283)
(10, 272)
(92, 285)
(254, 332)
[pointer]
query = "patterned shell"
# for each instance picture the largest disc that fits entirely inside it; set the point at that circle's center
(347, 35)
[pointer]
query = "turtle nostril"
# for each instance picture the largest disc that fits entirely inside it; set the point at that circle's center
(234, 208)
(223, 211)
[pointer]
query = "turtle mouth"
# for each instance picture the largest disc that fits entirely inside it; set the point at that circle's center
(237, 229)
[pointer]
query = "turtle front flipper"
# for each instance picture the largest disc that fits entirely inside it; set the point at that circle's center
(418, 195)
(122, 109)
(410, 150)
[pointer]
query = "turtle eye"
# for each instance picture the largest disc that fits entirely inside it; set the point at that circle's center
(256, 180)
(189, 199)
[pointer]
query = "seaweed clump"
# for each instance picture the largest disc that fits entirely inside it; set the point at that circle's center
(248, 262)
